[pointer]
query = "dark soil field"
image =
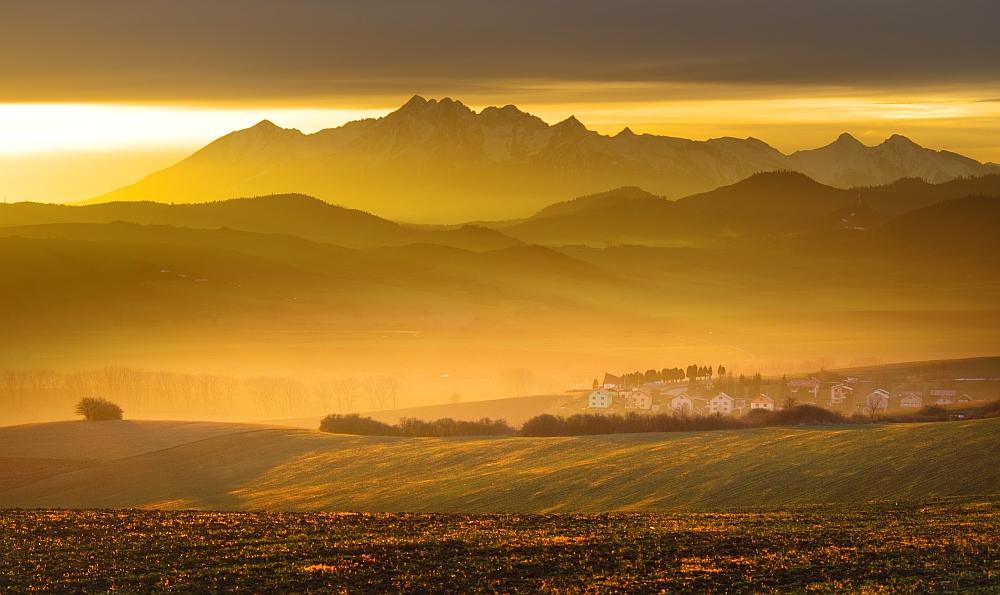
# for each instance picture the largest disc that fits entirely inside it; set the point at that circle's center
(940, 546)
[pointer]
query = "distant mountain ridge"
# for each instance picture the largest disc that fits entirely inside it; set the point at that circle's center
(289, 214)
(439, 161)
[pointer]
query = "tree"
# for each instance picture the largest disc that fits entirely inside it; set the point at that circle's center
(345, 391)
(785, 393)
(98, 409)
(722, 370)
(324, 392)
(875, 403)
(596, 386)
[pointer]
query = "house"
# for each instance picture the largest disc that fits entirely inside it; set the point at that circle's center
(721, 404)
(944, 392)
(911, 399)
(965, 398)
(802, 388)
(655, 408)
(682, 404)
(637, 400)
(599, 399)
(945, 401)
(763, 402)
(611, 381)
(877, 400)
(839, 393)
(739, 405)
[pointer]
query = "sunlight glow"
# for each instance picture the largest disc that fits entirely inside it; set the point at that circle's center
(42, 128)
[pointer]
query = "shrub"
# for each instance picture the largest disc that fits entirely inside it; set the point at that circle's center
(357, 425)
(412, 427)
(992, 409)
(409, 426)
(933, 413)
(98, 409)
(798, 415)
(588, 424)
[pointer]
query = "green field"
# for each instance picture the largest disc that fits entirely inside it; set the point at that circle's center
(190, 466)
(938, 546)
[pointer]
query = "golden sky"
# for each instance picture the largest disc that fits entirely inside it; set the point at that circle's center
(98, 94)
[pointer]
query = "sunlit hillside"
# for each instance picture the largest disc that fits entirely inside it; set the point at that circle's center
(276, 469)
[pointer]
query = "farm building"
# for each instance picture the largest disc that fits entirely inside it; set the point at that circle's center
(611, 381)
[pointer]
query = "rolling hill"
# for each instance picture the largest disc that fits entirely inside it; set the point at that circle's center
(282, 469)
(441, 162)
(763, 205)
(292, 214)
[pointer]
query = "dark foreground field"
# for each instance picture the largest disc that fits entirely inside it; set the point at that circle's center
(931, 547)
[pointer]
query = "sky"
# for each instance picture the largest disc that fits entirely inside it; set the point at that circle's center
(94, 95)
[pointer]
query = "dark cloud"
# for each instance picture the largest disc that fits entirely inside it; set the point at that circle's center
(248, 49)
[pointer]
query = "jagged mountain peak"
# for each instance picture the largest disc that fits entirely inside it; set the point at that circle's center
(571, 124)
(437, 160)
(898, 140)
(847, 140)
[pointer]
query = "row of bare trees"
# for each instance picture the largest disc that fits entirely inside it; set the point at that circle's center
(154, 393)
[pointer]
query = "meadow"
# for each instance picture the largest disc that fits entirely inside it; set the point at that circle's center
(934, 546)
(176, 465)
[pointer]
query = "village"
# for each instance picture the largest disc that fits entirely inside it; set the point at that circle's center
(698, 396)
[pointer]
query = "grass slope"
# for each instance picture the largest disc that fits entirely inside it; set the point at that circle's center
(283, 469)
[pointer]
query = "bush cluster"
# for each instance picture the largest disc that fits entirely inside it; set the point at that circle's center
(98, 409)
(410, 427)
(587, 424)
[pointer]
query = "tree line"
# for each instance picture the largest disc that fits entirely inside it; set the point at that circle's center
(692, 372)
(156, 393)
(412, 427)
(586, 424)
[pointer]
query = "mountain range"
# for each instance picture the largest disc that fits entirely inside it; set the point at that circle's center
(441, 162)
(766, 207)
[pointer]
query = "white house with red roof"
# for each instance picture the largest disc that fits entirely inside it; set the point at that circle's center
(763, 402)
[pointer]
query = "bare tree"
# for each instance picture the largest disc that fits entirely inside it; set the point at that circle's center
(391, 387)
(516, 381)
(291, 392)
(374, 393)
(346, 393)
(875, 403)
(324, 392)
(263, 390)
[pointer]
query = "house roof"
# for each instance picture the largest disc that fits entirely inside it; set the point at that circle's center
(803, 383)
(611, 379)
